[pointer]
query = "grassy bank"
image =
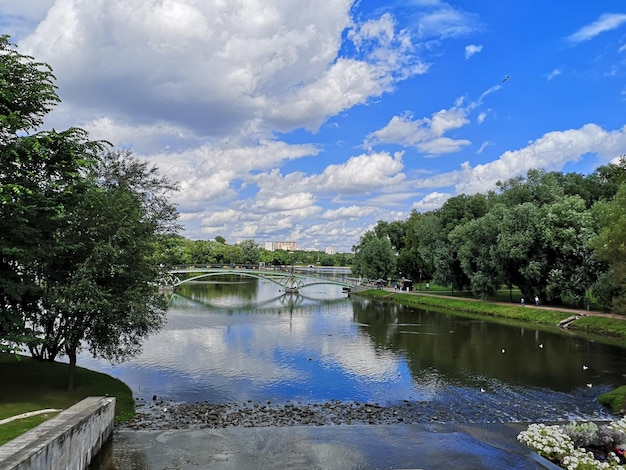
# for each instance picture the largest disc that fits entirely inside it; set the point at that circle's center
(614, 327)
(29, 385)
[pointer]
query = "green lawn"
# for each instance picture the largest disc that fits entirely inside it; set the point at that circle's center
(606, 329)
(29, 385)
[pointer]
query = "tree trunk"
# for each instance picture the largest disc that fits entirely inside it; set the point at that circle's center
(71, 370)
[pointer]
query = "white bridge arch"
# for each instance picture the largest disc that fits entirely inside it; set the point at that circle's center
(289, 280)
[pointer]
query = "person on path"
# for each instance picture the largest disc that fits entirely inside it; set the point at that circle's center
(537, 300)
(522, 301)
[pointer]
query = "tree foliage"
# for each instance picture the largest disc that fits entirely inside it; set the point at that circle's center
(77, 230)
(610, 246)
(552, 235)
(27, 91)
(374, 257)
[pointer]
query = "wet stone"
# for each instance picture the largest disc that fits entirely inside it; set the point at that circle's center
(150, 414)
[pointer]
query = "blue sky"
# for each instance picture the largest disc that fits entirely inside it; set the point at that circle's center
(309, 121)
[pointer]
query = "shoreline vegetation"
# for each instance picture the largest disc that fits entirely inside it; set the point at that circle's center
(607, 327)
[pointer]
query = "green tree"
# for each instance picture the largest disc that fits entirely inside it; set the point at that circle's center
(610, 246)
(38, 175)
(567, 230)
(475, 243)
(436, 249)
(250, 253)
(374, 257)
(99, 290)
(77, 229)
(27, 91)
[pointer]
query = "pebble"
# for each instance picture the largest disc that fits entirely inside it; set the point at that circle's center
(150, 415)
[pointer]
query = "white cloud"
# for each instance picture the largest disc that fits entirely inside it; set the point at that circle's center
(224, 97)
(446, 21)
(425, 134)
(362, 174)
(551, 152)
(554, 73)
(279, 64)
(484, 145)
(472, 49)
(292, 202)
(431, 201)
(350, 212)
(606, 22)
(382, 30)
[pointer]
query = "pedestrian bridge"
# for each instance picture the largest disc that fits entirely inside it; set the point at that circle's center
(290, 279)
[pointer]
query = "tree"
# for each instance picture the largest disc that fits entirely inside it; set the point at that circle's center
(475, 243)
(436, 250)
(610, 246)
(27, 91)
(77, 229)
(567, 228)
(39, 174)
(250, 253)
(374, 257)
(99, 287)
(395, 231)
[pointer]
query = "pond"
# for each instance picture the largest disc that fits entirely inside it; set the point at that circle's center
(235, 339)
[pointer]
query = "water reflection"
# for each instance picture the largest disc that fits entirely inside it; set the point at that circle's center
(473, 351)
(241, 340)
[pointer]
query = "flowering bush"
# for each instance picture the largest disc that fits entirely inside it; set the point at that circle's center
(579, 446)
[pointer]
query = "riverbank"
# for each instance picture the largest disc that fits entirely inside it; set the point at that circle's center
(598, 323)
(30, 385)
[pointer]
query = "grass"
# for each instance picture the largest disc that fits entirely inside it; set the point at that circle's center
(512, 311)
(601, 325)
(611, 330)
(615, 399)
(15, 428)
(29, 385)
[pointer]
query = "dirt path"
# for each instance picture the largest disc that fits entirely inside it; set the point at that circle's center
(28, 415)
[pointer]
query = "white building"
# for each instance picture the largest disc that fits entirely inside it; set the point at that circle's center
(286, 246)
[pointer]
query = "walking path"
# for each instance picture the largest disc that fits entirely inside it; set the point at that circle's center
(28, 415)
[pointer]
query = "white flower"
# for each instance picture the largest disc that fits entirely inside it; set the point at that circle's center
(553, 444)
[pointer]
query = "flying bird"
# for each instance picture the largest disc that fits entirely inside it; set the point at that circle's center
(541, 345)
(506, 78)
(585, 367)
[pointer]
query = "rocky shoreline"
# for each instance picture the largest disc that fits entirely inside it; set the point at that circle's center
(163, 415)
(160, 414)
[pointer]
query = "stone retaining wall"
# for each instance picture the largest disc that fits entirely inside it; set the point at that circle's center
(69, 441)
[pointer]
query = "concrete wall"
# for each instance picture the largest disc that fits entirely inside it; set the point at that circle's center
(69, 441)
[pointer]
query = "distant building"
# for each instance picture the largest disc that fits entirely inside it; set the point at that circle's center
(285, 246)
(330, 250)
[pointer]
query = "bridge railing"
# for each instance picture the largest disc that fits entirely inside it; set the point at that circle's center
(340, 275)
